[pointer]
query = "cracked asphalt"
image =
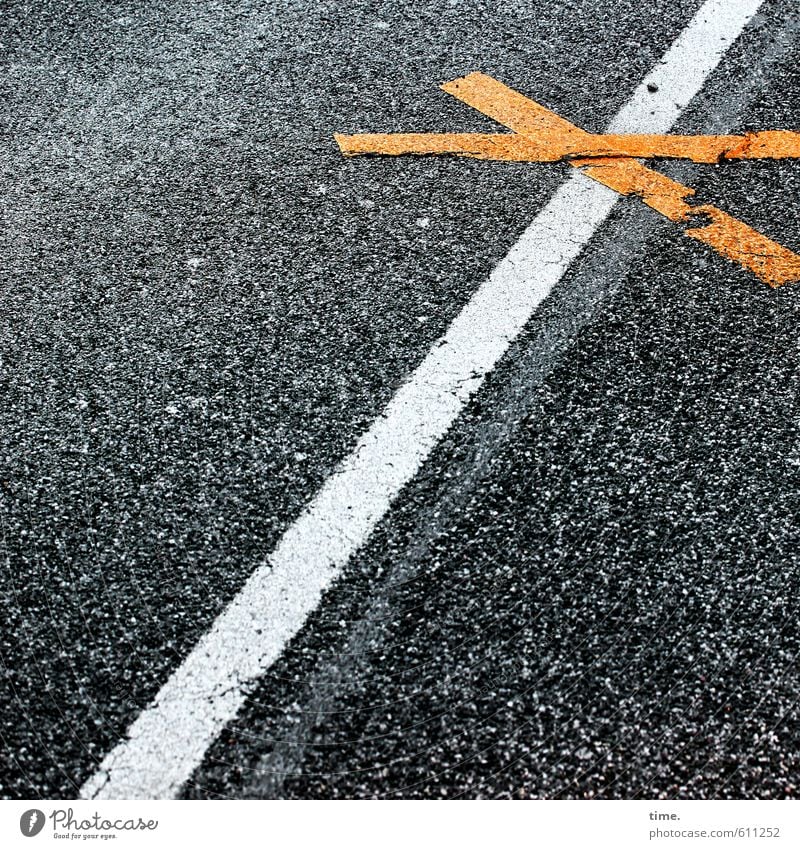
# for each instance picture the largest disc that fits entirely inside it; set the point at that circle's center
(590, 590)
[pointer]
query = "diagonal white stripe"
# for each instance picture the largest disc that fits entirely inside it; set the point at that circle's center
(169, 739)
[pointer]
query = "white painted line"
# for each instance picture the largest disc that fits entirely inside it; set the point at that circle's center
(170, 737)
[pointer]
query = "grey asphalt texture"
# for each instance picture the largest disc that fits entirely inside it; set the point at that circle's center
(591, 590)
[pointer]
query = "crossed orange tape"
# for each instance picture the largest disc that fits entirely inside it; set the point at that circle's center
(540, 135)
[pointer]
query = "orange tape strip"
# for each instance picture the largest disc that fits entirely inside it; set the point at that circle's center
(768, 144)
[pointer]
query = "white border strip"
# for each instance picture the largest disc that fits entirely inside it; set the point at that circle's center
(168, 740)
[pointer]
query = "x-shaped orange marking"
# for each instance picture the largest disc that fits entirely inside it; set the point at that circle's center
(540, 135)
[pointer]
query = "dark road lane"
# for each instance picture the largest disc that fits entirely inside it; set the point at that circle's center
(204, 306)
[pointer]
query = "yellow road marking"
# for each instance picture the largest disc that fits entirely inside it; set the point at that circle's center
(541, 135)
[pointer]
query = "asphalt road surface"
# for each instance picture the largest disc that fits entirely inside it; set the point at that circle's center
(591, 586)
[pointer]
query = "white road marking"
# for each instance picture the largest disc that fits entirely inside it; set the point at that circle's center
(169, 738)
